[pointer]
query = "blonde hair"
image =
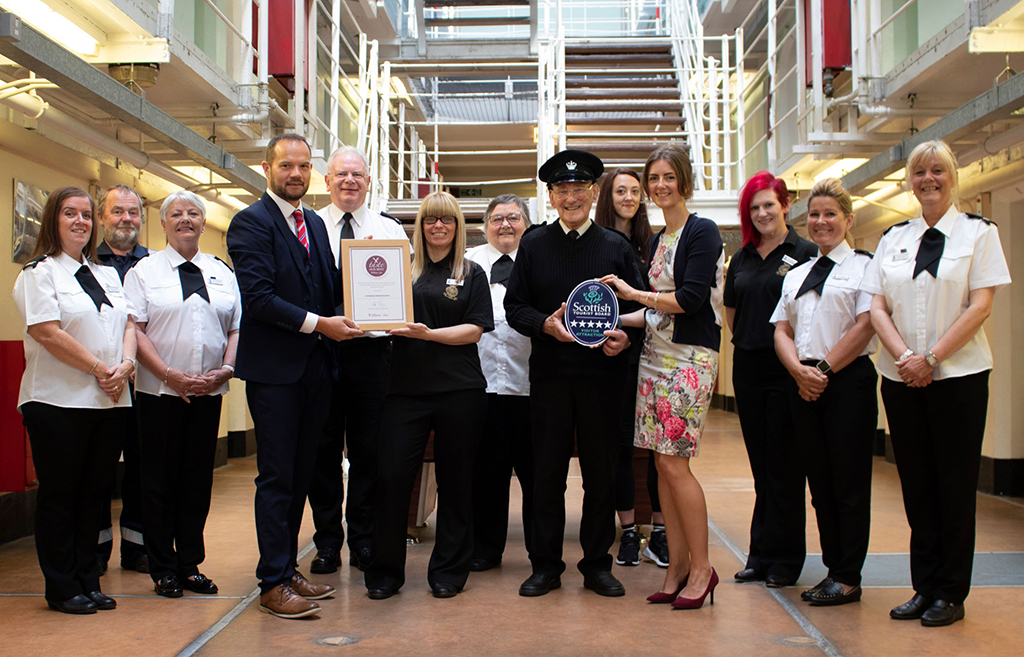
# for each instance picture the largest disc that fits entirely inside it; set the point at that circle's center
(440, 204)
(944, 154)
(833, 188)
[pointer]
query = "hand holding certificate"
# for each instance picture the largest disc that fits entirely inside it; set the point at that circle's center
(378, 283)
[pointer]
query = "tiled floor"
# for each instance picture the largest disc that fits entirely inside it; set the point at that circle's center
(489, 618)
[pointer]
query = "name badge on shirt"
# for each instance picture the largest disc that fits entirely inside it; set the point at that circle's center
(841, 277)
(787, 264)
(112, 289)
(901, 256)
(452, 281)
(215, 281)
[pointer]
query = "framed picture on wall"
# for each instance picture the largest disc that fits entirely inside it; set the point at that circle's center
(28, 212)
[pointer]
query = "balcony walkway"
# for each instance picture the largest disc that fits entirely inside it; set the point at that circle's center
(489, 618)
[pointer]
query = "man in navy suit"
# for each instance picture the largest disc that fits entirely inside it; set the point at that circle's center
(289, 283)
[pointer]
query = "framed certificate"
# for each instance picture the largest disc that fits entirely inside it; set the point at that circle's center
(378, 283)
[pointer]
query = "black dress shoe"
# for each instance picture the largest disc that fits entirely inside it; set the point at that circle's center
(539, 584)
(199, 583)
(604, 583)
(169, 587)
(806, 595)
(942, 612)
(380, 593)
(361, 557)
(139, 564)
(778, 581)
(444, 590)
(104, 603)
(831, 594)
(80, 604)
(480, 565)
(749, 575)
(326, 561)
(912, 609)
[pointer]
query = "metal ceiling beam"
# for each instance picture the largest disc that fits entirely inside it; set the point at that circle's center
(996, 104)
(26, 46)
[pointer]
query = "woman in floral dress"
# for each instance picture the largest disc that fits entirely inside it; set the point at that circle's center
(678, 367)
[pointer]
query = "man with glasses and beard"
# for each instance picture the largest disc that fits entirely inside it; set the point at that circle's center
(120, 218)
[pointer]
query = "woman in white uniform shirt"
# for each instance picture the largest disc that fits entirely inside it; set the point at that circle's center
(79, 353)
(933, 279)
(188, 311)
(823, 336)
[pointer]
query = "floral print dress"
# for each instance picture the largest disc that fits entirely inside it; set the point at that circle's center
(676, 380)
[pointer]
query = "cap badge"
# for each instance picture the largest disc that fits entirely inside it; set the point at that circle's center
(570, 165)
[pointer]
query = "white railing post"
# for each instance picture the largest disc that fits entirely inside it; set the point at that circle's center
(384, 139)
(298, 61)
(335, 72)
(741, 110)
(773, 73)
(400, 194)
(817, 63)
(362, 88)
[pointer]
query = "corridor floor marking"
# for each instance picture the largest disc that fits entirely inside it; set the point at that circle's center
(807, 626)
(226, 619)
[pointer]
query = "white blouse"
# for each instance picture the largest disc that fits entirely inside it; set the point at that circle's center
(48, 291)
(820, 322)
(924, 308)
(190, 335)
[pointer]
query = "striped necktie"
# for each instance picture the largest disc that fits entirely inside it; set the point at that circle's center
(300, 229)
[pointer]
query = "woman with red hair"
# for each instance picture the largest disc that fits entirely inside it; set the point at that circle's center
(753, 286)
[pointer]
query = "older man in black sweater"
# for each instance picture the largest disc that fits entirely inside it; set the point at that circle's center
(575, 391)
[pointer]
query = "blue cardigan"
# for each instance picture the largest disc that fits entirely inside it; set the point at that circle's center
(695, 271)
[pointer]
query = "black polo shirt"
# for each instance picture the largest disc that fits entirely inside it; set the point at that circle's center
(419, 367)
(753, 287)
(121, 263)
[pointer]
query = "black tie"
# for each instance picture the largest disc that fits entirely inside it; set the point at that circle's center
(192, 281)
(816, 277)
(92, 287)
(501, 269)
(346, 232)
(930, 252)
(573, 235)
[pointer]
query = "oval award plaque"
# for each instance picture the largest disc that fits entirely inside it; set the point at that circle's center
(590, 310)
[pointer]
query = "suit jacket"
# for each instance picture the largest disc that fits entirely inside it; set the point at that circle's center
(279, 284)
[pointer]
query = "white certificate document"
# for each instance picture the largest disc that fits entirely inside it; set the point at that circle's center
(378, 283)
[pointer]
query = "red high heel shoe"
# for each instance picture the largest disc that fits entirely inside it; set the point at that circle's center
(697, 603)
(660, 597)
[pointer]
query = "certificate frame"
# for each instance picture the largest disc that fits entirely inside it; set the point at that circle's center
(377, 281)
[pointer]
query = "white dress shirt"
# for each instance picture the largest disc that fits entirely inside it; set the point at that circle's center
(504, 352)
(190, 335)
(49, 291)
(924, 308)
(820, 322)
(579, 231)
(309, 324)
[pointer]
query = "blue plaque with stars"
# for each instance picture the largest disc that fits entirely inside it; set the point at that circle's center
(590, 310)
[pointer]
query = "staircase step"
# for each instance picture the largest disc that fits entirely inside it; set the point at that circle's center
(620, 94)
(602, 147)
(475, 3)
(624, 120)
(596, 82)
(477, 22)
(622, 106)
(579, 61)
(630, 47)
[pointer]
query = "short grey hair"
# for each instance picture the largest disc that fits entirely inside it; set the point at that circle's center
(524, 209)
(186, 196)
(101, 205)
(349, 149)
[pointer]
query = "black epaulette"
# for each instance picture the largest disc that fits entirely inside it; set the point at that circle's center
(392, 218)
(225, 264)
(532, 227)
(33, 262)
(864, 252)
(902, 223)
(971, 215)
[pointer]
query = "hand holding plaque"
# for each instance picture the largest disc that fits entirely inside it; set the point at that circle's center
(591, 310)
(378, 283)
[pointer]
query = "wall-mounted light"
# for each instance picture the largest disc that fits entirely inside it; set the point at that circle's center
(37, 14)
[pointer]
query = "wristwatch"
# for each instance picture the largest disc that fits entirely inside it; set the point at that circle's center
(931, 359)
(823, 366)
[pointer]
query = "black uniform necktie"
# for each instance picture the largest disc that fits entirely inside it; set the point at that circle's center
(502, 269)
(92, 287)
(192, 281)
(346, 233)
(929, 253)
(573, 235)
(816, 277)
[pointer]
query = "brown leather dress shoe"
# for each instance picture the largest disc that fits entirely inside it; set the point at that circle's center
(282, 601)
(308, 589)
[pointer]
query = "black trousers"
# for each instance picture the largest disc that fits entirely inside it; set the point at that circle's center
(585, 411)
(130, 521)
(778, 542)
(75, 453)
(357, 406)
(289, 422)
(506, 444)
(456, 419)
(836, 435)
(625, 482)
(179, 445)
(936, 437)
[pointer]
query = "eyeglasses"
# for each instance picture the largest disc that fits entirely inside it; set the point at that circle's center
(447, 220)
(356, 175)
(512, 219)
(565, 192)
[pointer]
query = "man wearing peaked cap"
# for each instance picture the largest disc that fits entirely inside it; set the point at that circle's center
(575, 392)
